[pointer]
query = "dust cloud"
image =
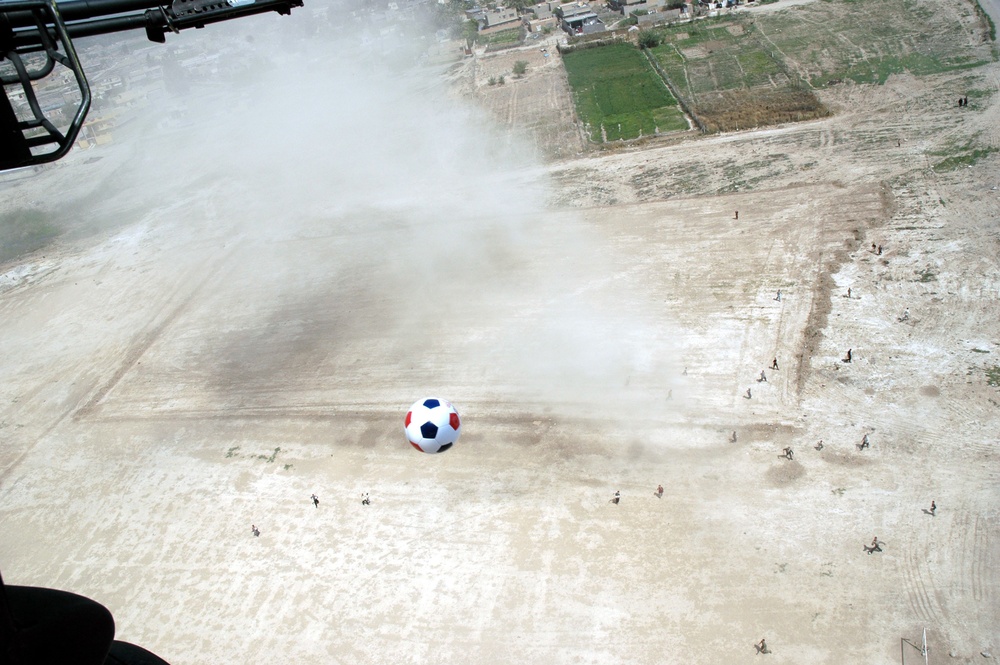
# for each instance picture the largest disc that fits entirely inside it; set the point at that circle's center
(393, 235)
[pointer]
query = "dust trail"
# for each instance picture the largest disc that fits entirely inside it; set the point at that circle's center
(383, 210)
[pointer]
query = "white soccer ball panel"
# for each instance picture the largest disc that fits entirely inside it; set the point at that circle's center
(432, 425)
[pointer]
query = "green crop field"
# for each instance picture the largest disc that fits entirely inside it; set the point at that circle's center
(838, 40)
(729, 77)
(503, 37)
(738, 72)
(716, 55)
(618, 95)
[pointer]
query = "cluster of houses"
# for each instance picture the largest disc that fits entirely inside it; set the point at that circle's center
(580, 18)
(576, 18)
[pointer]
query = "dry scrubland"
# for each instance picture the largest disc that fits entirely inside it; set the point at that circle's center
(168, 384)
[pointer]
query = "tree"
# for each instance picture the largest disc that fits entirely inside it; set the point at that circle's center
(520, 67)
(470, 30)
(649, 39)
(519, 5)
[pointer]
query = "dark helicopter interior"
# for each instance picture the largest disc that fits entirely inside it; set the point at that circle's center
(36, 41)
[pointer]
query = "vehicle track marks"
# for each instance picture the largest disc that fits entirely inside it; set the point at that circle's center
(146, 339)
(922, 602)
(980, 558)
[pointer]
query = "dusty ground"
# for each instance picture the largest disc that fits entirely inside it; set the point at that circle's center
(537, 105)
(150, 377)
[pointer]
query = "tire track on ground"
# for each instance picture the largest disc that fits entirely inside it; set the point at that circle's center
(921, 602)
(145, 340)
(980, 554)
(959, 533)
(748, 333)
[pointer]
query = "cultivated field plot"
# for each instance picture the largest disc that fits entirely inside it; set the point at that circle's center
(502, 38)
(536, 106)
(730, 79)
(733, 73)
(619, 96)
(829, 42)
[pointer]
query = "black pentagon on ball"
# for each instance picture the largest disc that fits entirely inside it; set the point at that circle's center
(428, 430)
(432, 403)
(446, 447)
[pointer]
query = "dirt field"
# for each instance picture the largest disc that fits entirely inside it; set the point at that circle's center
(170, 383)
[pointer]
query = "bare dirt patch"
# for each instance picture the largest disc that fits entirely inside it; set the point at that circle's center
(784, 474)
(732, 110)
(537, 106)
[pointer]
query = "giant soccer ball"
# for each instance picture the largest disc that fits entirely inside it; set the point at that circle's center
(432, 425)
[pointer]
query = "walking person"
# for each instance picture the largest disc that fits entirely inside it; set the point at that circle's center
(778, 296)
(761, 646)
(933, 508)
(848, 357)
(864, 443)
(365, 501)
(659, 492)
(616, 498)
(774, 364)
(315, 500)
(254, 530)
(763, 377)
